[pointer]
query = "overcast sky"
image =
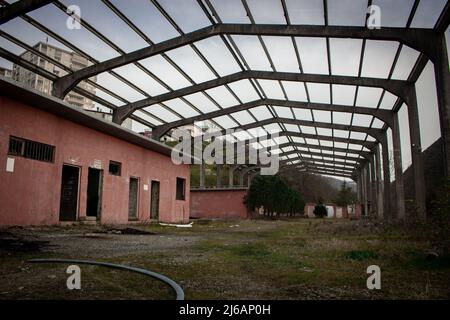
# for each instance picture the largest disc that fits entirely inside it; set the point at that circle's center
(344, 57)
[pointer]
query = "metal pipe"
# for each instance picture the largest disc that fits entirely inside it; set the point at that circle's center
(170, 282)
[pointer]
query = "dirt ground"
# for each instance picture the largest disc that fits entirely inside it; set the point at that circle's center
(252, 259)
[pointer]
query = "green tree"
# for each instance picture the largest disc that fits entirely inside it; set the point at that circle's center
(274, 195)
(346, 196)
(320, 210)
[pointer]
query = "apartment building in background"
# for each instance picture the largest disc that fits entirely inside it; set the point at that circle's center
(70, 59)
(4, 72)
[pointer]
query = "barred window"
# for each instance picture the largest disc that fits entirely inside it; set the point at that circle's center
(31, 149)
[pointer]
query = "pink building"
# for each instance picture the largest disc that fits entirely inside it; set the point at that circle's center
(334, 211)
(58, 163)
(218, 203)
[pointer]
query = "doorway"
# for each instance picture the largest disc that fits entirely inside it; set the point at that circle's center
(94, 193)
(154, 201)
(69, 193)
(133, 199)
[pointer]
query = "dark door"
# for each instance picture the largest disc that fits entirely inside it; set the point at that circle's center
(94, 193)
(133, 199)
(69, 193)
(154, 203)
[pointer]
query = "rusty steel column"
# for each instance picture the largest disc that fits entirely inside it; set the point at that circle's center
(399, 187)
(417, 155)
(379, 184)
(387, 210)
(442, 75)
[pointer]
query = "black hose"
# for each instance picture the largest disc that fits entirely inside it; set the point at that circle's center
(170, 282)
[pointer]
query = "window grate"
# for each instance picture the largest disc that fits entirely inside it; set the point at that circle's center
(31, 149)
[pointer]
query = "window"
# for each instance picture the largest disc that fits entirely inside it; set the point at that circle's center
(115, 168)
(181, 185)
(31, 149)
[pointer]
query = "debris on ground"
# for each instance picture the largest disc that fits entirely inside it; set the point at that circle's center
(127, 230)
(189, 225)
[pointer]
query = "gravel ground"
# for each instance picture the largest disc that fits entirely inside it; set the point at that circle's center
(90, 242)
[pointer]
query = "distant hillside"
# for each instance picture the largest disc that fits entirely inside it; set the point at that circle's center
(312, 186)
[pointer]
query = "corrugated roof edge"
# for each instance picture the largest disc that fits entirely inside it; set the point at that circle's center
(58, 107)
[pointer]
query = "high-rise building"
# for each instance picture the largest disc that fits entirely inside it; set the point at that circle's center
(70, 59)
(4, 72)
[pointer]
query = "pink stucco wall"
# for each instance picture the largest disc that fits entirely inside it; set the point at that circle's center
(31, 194)
(219, 203)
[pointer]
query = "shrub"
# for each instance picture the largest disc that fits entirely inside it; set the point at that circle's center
(320, 210)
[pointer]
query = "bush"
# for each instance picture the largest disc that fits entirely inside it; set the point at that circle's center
(320, 210)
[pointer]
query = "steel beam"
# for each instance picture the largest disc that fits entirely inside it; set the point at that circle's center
(375, 133)
(366, 144)
(298, 144)
(312, 170)
(19, 8)
(300, 157)
(324, 170)
(305, 162)
(396, 87)
(420, 39)
(383, 115)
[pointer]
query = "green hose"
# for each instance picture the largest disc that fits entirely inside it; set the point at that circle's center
(170, 282)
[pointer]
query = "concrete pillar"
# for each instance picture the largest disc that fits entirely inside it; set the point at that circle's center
(241, 179)
(230, 176)
(368, 190)
(358, 187)
(218, 175)
(379, 184)
(416, 154)
(442, 74)
(386, 179)
(362, 188)
(373, 188)
(202, 175)
(399, 187)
